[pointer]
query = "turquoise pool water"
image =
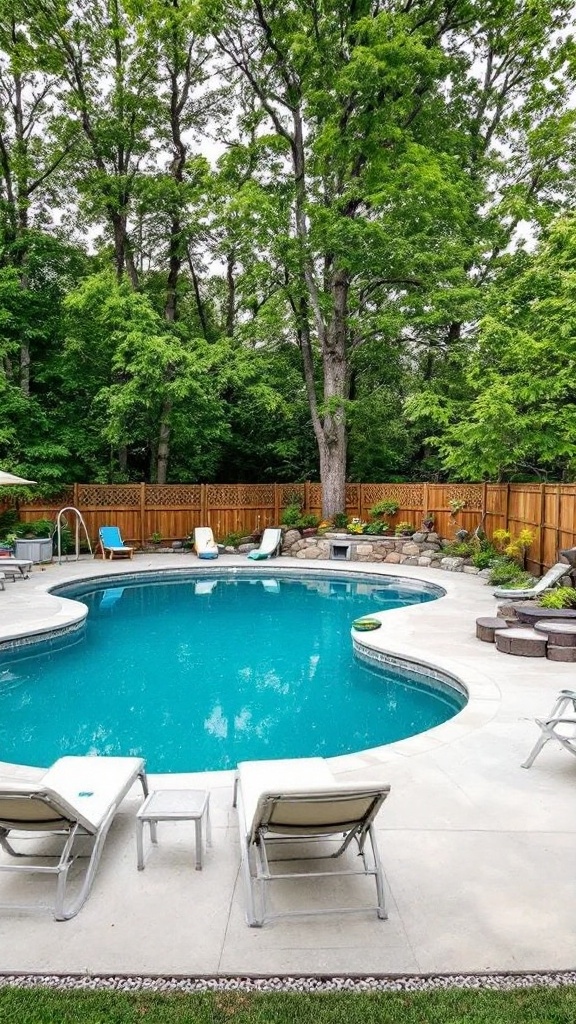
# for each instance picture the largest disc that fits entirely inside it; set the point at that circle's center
(198, 674)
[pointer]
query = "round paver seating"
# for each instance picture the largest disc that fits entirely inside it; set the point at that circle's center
(534, 614)
(487, 625)
(554, 653)
(524, 642)
(561, 634)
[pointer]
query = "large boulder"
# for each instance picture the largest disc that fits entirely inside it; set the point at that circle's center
(452, 564)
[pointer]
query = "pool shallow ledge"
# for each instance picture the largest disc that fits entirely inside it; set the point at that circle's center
(408, 637)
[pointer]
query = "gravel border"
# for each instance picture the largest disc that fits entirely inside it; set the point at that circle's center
(291, 983)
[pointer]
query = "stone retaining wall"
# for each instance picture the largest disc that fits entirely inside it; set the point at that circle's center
(419, 549)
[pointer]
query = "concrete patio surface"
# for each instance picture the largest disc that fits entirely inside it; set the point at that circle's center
(478, 852)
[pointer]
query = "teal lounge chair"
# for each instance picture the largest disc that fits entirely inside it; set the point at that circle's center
(112, 545)
(270, 544)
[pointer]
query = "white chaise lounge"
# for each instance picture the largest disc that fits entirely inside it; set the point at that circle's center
(77, 798)
(298, 805)
(204, 543)
(554, 575)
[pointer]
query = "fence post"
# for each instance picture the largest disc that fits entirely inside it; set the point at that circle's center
(507, 508)
(425, 508)
(306, 497)
(558, 502)
(75, 498)
(276, 505)
(541, 530)
(203, 509)
(143, 515)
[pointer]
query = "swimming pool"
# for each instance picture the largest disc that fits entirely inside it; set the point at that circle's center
(198, 673)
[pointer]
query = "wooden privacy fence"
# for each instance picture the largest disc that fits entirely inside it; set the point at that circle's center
(173, 510)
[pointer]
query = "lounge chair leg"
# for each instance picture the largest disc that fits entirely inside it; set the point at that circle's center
(251, 919)
(380, 895)
(540, 743)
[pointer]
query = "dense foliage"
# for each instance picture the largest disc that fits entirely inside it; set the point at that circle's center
(255, 241)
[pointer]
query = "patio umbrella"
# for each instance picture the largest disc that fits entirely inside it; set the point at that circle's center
(9, 480)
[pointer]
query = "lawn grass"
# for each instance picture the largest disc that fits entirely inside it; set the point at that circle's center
(455, 1006)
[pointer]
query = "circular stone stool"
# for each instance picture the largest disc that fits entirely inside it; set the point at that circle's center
(524, 642)
(486, 626)
(561, 634)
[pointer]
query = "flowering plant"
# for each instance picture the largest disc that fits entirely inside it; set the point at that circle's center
(355, 525)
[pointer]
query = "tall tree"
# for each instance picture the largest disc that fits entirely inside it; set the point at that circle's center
(394, 151)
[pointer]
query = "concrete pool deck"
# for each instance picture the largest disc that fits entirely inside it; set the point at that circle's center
(478, 852)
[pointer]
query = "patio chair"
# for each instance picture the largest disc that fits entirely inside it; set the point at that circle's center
(77, 797)
(554, 575)
(204, 543)
(16, 568)
(270, 544)
(295, 804)
(111, 543)
(556, 727)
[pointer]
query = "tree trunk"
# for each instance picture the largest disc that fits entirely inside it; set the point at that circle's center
(164, 442)
(336, 384)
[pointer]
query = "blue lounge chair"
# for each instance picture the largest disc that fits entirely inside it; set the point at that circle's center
(111, 543)
(270, 544)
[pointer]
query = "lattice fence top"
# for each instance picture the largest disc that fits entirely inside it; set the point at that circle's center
(109, 495)
(407, 495)
(469, 493)
(172, 495)
(288, 493)
(240, 495)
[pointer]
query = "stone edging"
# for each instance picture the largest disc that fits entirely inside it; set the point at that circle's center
(425, 549)
(291, 983)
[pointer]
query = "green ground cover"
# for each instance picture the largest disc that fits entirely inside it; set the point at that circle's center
(456, 1006)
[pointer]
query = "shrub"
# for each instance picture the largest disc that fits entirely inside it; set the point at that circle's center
(484, 558)
(37, 528)
(384, 508)
(403, 529)
(461, 549)
(513, 547)
(309, 521)
(506, 571)
(8, 522)
(560, 597)
(291, 515)
(232, 539)
(355, 525)
(377, 528)
(340, 520)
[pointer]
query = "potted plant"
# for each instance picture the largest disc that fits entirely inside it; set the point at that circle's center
(428, 522)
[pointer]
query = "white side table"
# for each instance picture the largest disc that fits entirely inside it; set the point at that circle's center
(174, 805)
